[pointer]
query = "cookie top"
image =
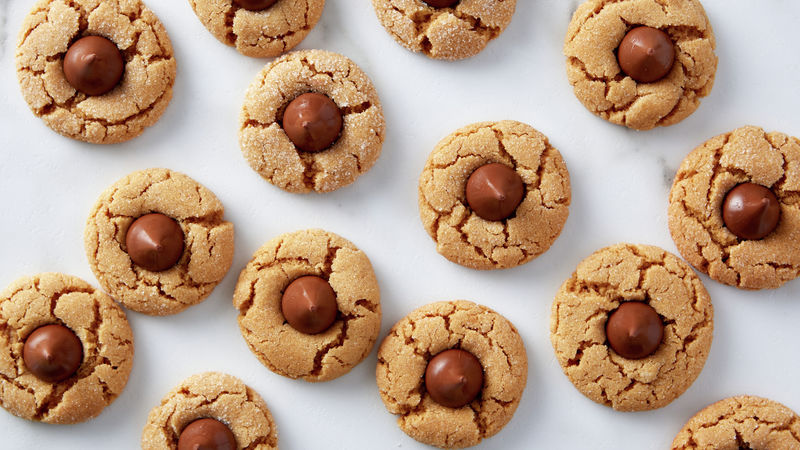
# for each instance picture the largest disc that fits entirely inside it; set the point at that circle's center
(431, 329)
(461, 235)
(741, 422)
(595, 33)
(454, 32)
(208, 243)
(277, 344)
(217, 396)
(100, 324)
(271, 153)
(260, 33)
(134, 104)
(602, 282)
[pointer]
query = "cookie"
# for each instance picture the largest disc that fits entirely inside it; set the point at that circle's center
(95, 341)
(258, 30)
(425, 334)
(595, 34)
(225, 399)
(581, 327)
(292, 350)
(466, 238)
(698, 196)
(445, 29)
(134, 103)
(120, 249)
(270, 151)
(741, 422)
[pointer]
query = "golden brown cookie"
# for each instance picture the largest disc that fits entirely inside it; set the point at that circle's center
(119, 115)
(742, 422)
(596, 30)
(99, 324)
(262, 33)
(412, 342)
(601, 283)
(747, 154)
(465, 238)
(208, 247)
(456, 32)
(217, 396)
(285, 350)
(266, 146)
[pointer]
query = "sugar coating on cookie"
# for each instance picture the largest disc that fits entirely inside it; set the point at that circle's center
(627, 272)
(99, 323)
(747, 154)
(208, 249)
(267, 148)
(464, 237)
(282, 348)
(264, 33)
(595, 32)
(136, 103)
(431, 329)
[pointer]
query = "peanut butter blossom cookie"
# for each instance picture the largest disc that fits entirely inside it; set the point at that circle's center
(311, 121)
(494, 195)
(66, 351)
(157, 241)
(641, 63)
(632, 327)
(99, 71)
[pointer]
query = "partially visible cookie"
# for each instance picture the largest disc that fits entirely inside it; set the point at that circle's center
(92, 337)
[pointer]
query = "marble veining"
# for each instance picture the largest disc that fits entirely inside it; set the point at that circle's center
(4, 8)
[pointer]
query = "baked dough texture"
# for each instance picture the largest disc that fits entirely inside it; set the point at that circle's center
(604, 280)
(413, 341)
(747, 154)
(99, 323)
(596, 30)
(119, 115)
(291, 353)
(467, 239)
(269, 151)
(208, 250)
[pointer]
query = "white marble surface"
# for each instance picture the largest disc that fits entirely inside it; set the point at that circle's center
(620, 183)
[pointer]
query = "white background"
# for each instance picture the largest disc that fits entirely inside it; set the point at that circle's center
(620, 181)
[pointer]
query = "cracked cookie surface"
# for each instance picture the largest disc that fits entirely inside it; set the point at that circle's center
(604, 280)
(467, 239)
(119, 115)
(741, 422)
(213, 395)
(208, 248)
(264, 33)
(286, 351)
(403, 357)
(99, 323)
(445, 33)
(747, 154)
(267, 148)
(596, 30)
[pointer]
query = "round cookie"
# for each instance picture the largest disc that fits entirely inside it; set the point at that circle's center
(208, 248)
(285, 350)
(260, 33)
(137, 102)
(431, 329)
(708, 173)
(742, 422)
(270, 152)
(601, 283)
(464, 237)
(455, 32)
(100, 324)
(595, 33)
(217, 396)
